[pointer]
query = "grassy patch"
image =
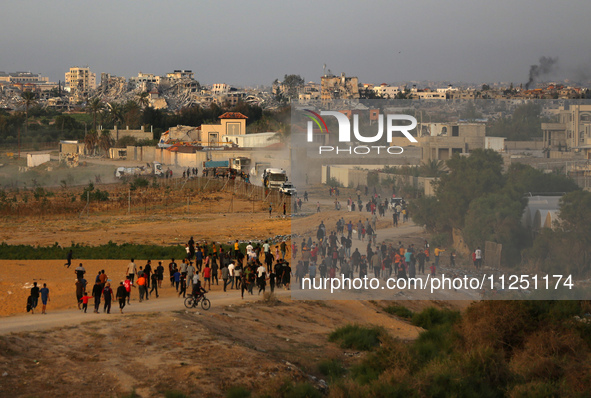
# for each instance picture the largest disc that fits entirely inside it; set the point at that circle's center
(399, 311)
(332, 369)
(431, 317)
(357, 337)
(238, 392)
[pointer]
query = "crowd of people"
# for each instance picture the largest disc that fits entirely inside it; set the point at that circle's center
(261, 266)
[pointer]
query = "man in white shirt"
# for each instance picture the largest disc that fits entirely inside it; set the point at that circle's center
(478, 256)
(231, 269)
(131, 270)
(266, 246)
(261, 271)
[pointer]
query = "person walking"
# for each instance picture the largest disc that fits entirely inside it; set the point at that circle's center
(141, 282)
(128, 284)
(121, 295)
(34, 297)
(68, 259)
(44, 297)
(225, 276)
(97, 291)
(154, 284)
(108, 296)
(160, 273)
(131, 270)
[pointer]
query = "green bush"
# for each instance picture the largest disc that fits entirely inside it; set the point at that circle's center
(331, 368)
(430, 317)
(399, 311)
(366, 371)
(174, 394)
(238, 392)
(357, 337)
(299, 390)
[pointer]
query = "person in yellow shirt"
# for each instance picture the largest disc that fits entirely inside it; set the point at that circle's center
(437, 251)
(236, 248)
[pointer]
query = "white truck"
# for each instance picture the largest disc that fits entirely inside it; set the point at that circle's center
(274, 178)
(287, 188)
(154, 169)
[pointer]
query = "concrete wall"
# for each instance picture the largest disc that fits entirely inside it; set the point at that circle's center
(34, 160)
(137, 134)
(495, 143)
(351, 178)
(524, 145)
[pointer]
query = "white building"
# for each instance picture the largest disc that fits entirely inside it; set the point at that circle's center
(80, 79)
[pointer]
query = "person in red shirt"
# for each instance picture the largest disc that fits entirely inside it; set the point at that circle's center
(85, 298)
(128, 284)
(207, 276)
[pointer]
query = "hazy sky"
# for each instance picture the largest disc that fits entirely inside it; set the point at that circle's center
(254, 42)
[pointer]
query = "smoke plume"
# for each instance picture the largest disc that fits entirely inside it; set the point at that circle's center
(547, 65)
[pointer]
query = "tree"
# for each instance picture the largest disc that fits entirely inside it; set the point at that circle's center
(90, 141)
(523, 125)
(470, 178)
(567, 248)
(292, 84)
(143, 99)
(117, 112)
(432, 168)
(132, 113)
(524, 179)
(496, 217)
(105, 141)
(94, 107)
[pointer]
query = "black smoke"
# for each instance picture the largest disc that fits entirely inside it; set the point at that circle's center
(547, 65)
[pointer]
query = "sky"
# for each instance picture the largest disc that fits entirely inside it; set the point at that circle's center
(255, 42)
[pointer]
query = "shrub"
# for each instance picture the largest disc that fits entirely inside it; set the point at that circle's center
(430, 317)
(331, 368)
(399, 311)
(300, 390)
(357, 337)
(238, 392)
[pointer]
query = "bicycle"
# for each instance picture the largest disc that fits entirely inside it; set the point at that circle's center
(193, 302)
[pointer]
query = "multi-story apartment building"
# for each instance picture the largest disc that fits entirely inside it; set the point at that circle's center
(80, 79)
(573, 130)
(144, 81)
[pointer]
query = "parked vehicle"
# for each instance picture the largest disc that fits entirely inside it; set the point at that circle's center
(154, 169)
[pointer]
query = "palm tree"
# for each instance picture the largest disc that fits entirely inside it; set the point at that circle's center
(116, 111)
(29, 99)
(94, 107)
(142, 99)
(91, 141)
(132, 113)
(105, 141)
(432, 168)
